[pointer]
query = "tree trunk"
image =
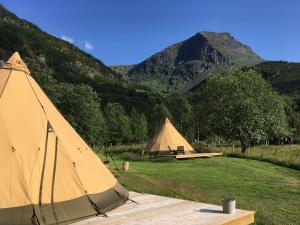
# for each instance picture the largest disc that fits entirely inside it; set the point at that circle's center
(243, 147)
(198, 130)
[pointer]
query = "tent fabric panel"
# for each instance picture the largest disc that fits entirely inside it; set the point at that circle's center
(67, 211)
(26, 137)
(17, 215)
(114, 198)
(4, 75)
(67, 183)
(93, 178)
(5, 166)
(63, 129)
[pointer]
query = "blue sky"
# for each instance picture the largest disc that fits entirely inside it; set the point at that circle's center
(128, 31)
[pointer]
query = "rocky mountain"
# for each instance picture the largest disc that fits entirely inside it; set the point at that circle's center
(187, 63)
(44, 52)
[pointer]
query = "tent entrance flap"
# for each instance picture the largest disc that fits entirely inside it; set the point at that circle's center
(47, 185)
(51, 212)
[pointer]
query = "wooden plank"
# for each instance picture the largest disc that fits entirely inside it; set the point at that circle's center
(198, 155)
(153, 209)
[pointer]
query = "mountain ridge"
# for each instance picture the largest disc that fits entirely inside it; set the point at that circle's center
(190, 60)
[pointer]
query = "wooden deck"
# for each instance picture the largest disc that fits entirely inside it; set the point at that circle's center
(198, 155)
(155, 210)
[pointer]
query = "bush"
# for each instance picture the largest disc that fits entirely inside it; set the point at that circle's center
(200, 144)
(204, 149)
(297, 140)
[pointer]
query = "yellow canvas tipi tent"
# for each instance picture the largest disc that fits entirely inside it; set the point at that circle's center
(48, 174)
(168, 139)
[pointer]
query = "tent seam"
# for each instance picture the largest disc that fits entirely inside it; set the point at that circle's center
(53, 179)
(43, 173)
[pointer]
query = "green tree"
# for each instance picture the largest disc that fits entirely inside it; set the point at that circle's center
(80, 106)
(158, 114)
(182, 113)
(292, 115)
(118, 123)
(242, 106)
(139, 126)
(201, 127)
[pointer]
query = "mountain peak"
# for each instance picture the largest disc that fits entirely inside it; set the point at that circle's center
(193, 60)
(214, 33)
(235, 51)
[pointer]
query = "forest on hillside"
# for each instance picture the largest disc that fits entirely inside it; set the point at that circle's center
(105, 118)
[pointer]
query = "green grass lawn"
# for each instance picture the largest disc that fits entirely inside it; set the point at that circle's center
(272, 191)
(284, 155)
(280, 152)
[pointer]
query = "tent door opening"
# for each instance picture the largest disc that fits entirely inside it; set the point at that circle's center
(47, 185)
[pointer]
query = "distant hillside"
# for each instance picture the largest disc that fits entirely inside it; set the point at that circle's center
(42, 51)
(284, 76)
(187, 63)
(121, 69)
(56, 64)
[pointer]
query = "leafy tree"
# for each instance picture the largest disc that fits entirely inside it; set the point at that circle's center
(118, 124)
(292, 115)
(139, 126)
(201, 127)
(182, 113)
(80, 106)
(158, 114)
(242, 106)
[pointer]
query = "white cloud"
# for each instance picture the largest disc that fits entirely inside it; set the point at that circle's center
(68, 39)
(88, 46)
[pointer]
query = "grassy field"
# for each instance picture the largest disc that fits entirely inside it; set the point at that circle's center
(284, 155)
(283, 152)
(272, 191)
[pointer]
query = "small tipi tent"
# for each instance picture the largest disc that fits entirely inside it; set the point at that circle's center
(48, 174)
(168, 139)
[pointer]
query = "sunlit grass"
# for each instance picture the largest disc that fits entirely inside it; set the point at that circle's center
(272, 191)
